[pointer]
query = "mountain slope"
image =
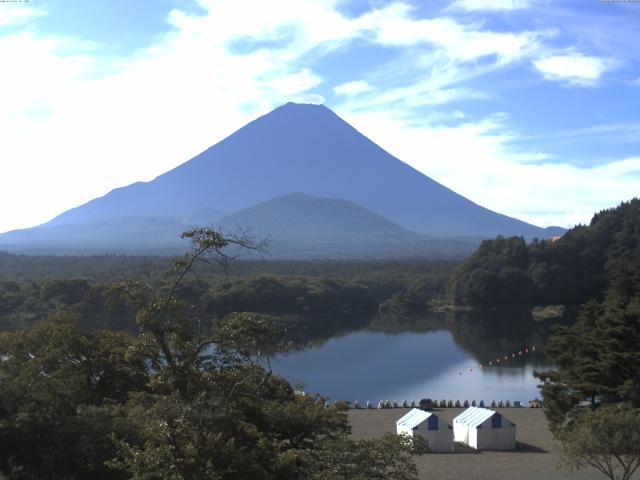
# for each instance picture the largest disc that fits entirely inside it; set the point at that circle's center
(137, 235)
(304, 148)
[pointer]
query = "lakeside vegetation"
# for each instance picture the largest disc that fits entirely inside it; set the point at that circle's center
(31, 288)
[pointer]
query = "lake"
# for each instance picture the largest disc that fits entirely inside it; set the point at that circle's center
(433, 358)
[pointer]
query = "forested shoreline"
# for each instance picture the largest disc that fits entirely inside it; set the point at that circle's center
(31, 288)
(503, 273)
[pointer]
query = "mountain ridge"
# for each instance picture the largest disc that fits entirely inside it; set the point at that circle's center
(290, 147)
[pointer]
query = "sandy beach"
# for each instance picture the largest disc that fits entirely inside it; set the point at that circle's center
(535, 458)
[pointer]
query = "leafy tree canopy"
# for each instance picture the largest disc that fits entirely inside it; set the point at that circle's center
(607, 439)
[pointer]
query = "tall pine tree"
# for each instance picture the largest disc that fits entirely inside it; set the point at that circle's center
(597, 359)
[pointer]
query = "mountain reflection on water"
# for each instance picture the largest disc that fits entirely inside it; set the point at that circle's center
(438, 356)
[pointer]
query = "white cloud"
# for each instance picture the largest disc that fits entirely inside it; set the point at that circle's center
(475, 5)
(314, 98)
(306, 23)
(440, 55)
(352, 88)
(393, 25)
(575, 68)
(12, 14)
(296, 82)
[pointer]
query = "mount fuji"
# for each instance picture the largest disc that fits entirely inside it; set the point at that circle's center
(344, 183)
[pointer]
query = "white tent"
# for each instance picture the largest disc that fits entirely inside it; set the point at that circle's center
(484, 429)
(437, 433)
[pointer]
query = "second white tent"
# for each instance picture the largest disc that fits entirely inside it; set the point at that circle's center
(484, 429)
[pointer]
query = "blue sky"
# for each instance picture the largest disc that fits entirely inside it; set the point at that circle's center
(528, 107)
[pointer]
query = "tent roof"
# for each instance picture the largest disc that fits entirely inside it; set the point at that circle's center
(474, 416)
(414, 418)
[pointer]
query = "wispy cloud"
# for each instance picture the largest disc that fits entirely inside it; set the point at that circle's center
(439, 55)
(476, 5)
(620, 132)
(575, 68)
(394, 25)
(352, 88)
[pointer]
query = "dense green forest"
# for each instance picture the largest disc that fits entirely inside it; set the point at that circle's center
(569, 271)
(597, 357)
(31, 288)
(107, 268)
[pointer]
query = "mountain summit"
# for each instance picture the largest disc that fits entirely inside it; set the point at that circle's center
(298, 148)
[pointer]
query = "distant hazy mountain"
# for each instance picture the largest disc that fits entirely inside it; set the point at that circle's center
(295, 148)
(299, 225)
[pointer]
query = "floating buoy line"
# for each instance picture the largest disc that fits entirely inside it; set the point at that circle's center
(520, 353)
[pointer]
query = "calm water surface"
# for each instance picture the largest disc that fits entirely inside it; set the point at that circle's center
(445, 363)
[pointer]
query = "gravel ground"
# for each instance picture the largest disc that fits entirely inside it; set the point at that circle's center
(535, 458)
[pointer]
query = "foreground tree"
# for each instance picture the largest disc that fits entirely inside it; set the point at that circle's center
(597, 359)
(183, 399)
(382, 459)
(607, 439)
(592, 398)
(60, 392)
